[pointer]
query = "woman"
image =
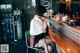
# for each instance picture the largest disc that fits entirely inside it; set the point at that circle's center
(38, 26)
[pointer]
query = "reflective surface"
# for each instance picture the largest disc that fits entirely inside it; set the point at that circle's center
(66, 44)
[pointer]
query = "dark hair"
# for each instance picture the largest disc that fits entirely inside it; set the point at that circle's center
(40, 10)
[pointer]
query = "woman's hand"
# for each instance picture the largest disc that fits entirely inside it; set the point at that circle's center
(44, 30)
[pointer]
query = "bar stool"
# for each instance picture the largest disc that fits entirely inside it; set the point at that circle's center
(34, 50)
(38, 49)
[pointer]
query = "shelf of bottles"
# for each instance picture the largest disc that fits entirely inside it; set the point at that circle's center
(6, 22)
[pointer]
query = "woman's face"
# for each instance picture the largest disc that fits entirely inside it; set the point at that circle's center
(45, 19)
(42, 18)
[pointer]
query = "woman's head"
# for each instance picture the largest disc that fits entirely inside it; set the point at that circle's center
(40, 10)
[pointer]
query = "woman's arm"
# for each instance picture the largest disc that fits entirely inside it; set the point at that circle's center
(32, 41)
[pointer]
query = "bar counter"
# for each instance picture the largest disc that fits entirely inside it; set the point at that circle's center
(66, 37)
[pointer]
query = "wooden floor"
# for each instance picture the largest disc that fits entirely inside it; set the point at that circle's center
(66, 44)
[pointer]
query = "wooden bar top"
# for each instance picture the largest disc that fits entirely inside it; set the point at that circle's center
(66, 44)
(68, 40)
